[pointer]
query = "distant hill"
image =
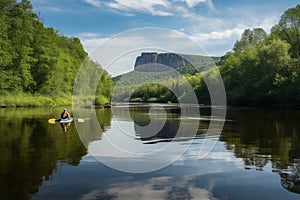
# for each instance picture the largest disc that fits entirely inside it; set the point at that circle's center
(153, 65)
(168, 59)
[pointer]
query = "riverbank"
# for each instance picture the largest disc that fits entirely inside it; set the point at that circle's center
(34, 101)
(25, 100)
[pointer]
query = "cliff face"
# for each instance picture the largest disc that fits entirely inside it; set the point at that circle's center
(168, 59)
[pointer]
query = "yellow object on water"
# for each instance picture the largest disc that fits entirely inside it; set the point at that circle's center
(80, 120)
(52, 121)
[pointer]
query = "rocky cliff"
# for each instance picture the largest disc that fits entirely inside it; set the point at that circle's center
(168, 59)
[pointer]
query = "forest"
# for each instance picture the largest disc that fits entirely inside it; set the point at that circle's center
(264, 68)
(261, 69)
(38, 65)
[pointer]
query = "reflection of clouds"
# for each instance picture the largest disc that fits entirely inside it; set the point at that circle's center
(118, 149)
(217, 161)
(224, 156)
(97, 194)
(164, 187)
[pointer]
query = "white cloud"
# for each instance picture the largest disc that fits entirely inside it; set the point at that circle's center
(183, 11)
(154, 7)
(90, 40)
(193, 3)
(218, 35)
(95, 3)
(219, 32)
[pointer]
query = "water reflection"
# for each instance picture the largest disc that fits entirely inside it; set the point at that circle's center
(165, 121)
(266, 136)
(169, 129)
(32, 150)
(65, 126)
(265, 140)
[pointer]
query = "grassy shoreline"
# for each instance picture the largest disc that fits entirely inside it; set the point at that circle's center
(27, 100)
(34, 101)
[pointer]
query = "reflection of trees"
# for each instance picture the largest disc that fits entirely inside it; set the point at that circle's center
(169, 130)
(32, 150)
(141, 118)
(261, 136)
(104, 118)
(97, 121)
(290, 175)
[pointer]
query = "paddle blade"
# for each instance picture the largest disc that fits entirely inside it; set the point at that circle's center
(51, 121)
(80, 120)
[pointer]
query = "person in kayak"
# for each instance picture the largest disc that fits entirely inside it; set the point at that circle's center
(65, 115)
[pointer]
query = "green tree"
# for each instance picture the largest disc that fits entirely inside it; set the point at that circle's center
(276, 68)
(288, 29)
(6, 5)
(250, 39)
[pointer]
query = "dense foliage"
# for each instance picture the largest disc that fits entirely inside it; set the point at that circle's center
(264, 69)
(93, 85)
(35, 60)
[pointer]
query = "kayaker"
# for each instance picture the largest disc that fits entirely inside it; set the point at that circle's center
(65, 115)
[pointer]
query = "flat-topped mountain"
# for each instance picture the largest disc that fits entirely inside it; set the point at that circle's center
(160, 65)
(168, 59)
(182, 62)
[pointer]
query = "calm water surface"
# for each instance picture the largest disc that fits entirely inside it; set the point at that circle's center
(256, 157)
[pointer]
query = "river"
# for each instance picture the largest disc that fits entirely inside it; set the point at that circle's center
(257, 156)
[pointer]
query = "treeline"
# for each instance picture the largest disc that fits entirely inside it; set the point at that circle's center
(262, 69)
(163, 90)
(35, 60)
(93, 85)
(265, 68)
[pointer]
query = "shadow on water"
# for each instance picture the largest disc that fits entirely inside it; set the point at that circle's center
(266, 136)
(172, 117)
(32, 150)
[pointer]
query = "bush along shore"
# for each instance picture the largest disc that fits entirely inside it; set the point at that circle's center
(46, 101)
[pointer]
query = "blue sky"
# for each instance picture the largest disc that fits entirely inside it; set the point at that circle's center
(214, 24)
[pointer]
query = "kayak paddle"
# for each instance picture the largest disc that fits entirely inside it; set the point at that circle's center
(52, 121)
